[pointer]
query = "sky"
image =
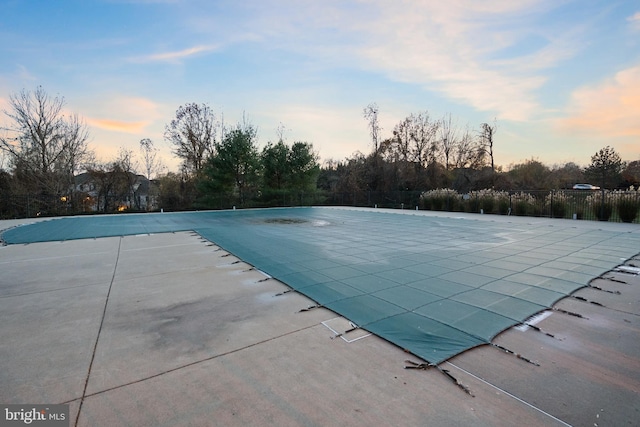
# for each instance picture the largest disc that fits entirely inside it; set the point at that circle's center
(560, 78)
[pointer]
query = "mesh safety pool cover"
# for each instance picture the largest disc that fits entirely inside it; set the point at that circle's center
(434, 286)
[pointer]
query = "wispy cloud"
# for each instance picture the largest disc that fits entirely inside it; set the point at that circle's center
(610, 108)
(24, 74)
(457, 49)
(635, 21)
(118, 126)
(126, 114)
(176, 56)
(476, 53)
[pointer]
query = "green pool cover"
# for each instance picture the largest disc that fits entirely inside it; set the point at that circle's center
(435, 286)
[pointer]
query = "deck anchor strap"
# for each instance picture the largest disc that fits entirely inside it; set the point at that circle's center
(425, 366)
(518, 355)
(570, 313)
(539, 329)
(309, 308)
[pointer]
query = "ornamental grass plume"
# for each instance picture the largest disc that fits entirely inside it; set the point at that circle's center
(441, 199)
(523, 203)
(489, 200)
(556, 203)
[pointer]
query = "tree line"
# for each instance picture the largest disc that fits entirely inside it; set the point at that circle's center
(223, 166)
(46, 149)
(46, 152)
(422, 153)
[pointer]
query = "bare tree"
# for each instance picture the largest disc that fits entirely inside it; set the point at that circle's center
(3, 156)
(487, 133)
(281, 130)
(46, 146)
(468, 152)
(397, 154)
(115, 182)
(371, 115)
(104, 180)
(192, 134)
(151, 163)
(423, 134)
(112, 184)
(448, 138)
(128, 167)
(402, 140)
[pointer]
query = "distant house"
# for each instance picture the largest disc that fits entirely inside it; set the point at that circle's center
(145, 193)
(84, 183)
(108, 192)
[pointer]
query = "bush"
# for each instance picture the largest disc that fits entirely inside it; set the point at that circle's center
(521, 208)
(487, 200)
(441, 199)
(558, 209)
(473, 204)
(628, 208)
(503, 206)
(556, 203)
(455, 204)
(487, 204)
(523, 203)
(436, 203)
(426, 203)
(602, 211)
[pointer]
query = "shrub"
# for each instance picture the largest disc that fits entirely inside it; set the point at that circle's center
(436, 203)
(441, 199)
(487, 203)
(628, 205)
(487, 200)
(520, 208)
(426, 203)
(523, 203)
(600, 205)
(558, 209)
(602, 211)
(473, 203)
(556, 204)
(503, 206)
(455, 203)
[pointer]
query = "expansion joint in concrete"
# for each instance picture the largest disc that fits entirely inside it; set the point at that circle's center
(95, 346)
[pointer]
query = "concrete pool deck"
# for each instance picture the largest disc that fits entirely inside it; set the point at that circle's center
(167, 329)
